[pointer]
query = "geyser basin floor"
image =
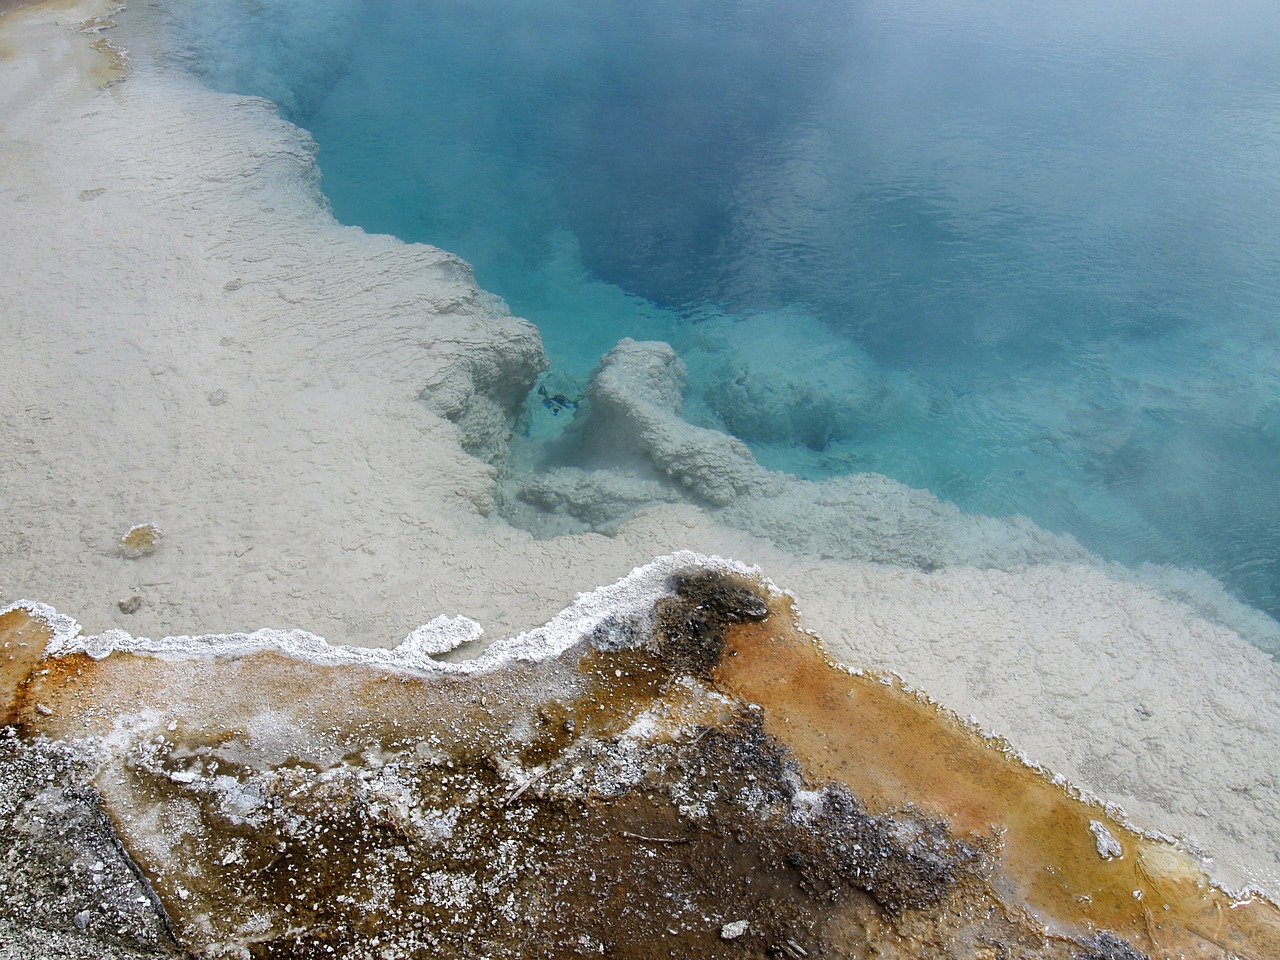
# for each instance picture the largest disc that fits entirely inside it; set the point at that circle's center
(667, 776)
(191, 340)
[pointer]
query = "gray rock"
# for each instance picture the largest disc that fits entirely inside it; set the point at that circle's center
(68, 890)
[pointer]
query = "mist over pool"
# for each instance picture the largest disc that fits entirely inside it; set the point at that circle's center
(1024, 256)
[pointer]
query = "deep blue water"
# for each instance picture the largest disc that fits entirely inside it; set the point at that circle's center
(1023, 253)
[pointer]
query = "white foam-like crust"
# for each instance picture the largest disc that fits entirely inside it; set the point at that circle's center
(441, 635)
(1108, 846)
(62, 629)
(632, 595)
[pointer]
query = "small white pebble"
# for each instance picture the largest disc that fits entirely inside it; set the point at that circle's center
(732, 931)
(1108, 846)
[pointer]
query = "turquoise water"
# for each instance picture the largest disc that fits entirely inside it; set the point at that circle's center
(1025, 255)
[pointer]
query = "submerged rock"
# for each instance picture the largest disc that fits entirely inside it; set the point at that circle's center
(633, 417)
(677, 771)
(630, 447)
(479, 379)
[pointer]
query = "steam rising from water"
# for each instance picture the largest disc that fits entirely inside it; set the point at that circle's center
(1025, 257)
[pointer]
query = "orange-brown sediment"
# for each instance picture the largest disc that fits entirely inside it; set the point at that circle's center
(638, 798)
(892, 748)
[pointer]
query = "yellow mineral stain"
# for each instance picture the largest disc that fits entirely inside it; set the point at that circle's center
(893, 748)
(22, 642)
(99, 62)
(143, 538)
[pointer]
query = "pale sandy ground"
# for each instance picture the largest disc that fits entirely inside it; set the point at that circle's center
(160, 243)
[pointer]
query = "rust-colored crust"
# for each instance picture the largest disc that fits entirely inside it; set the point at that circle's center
(633, 796)
(23, 639)
(892, 747)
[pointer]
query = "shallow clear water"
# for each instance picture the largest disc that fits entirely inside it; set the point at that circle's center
(1024, 255)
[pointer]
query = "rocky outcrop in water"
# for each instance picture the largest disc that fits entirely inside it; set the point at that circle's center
(629, 446)
(480, 383)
